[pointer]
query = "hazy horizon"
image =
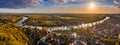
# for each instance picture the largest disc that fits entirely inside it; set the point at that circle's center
(60, 6)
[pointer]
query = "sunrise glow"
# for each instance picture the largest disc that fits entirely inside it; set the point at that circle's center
(92, 5)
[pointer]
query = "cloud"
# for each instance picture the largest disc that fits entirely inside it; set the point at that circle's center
(117, 3)
(38, 3)
(67, 1)
(19, 3)
(59, 1)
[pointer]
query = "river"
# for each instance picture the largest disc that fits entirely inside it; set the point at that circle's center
(84, 25)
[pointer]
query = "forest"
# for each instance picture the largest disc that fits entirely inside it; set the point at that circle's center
(61, 20)
(107, 33)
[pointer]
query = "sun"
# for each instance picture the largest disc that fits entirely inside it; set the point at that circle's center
(92, 5)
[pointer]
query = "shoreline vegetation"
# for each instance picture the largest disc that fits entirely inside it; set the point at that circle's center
(61, 20)
(63, 27)
(106, 33)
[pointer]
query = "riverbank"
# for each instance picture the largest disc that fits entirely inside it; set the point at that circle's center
(20, 23)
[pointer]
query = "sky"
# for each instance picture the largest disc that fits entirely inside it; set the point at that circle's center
(59, 6)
